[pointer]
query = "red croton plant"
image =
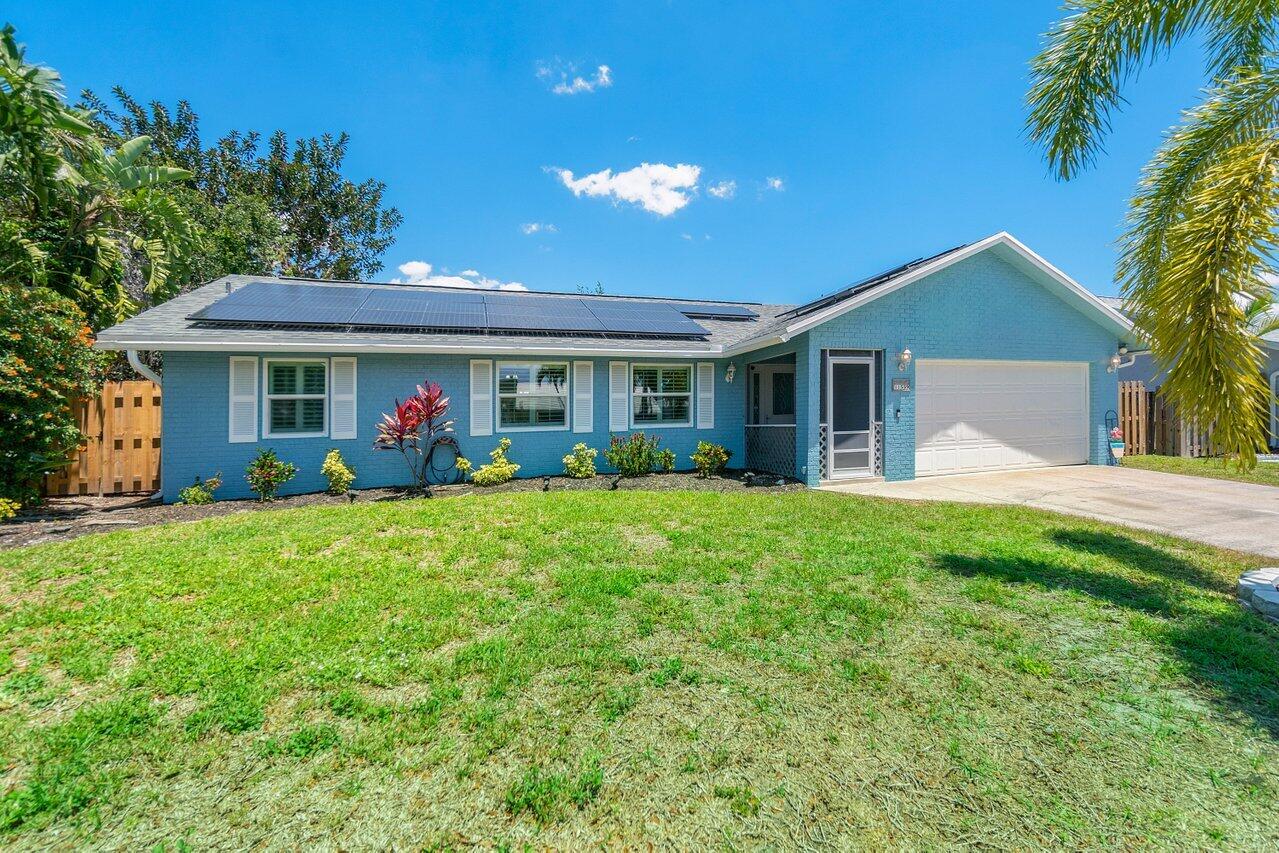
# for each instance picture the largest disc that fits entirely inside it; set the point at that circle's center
(414, 429)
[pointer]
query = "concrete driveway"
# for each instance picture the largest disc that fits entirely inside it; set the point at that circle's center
(1241, 516)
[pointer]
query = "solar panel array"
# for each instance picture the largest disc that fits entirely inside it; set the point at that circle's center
(714, 311)
(332, 305)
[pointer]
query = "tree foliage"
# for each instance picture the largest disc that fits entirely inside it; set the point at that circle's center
(46, 362)
(87, 220)
(266, 205)
(1198, 251)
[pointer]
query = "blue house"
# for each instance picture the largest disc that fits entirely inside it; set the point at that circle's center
(984, 357)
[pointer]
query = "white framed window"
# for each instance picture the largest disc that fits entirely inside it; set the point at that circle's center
(296, 397)
(532, 395)
(661, 395)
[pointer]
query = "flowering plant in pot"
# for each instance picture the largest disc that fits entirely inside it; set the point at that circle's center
(414, 429)
(1117, 443)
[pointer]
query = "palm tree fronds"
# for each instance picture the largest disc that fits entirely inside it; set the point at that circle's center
(1219, 246)
(1076, 78)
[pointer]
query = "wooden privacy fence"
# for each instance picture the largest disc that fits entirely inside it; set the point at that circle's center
(121, 453)
(1151, 426)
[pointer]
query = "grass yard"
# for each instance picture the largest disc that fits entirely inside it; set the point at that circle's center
(1266, 473)
(676, 669)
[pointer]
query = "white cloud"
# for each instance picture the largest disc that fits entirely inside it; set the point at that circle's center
(572, 83)
(686, 236)
(775, 184)
(420, 272)
(723, 189)
(656, 187)
(535, 227)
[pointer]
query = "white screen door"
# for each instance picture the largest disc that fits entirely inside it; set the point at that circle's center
(850, 415)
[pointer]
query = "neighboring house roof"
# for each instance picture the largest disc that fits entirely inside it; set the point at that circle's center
(171, 326)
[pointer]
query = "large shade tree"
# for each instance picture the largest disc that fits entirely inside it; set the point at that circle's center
(265, 205)
(1198, 248)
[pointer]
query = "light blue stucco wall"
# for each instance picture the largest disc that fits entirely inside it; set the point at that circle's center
(979, 308)
(195, 423)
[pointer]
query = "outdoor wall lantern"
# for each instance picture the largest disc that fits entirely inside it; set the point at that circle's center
(730, 373)
(1118, 361)
(903, 360)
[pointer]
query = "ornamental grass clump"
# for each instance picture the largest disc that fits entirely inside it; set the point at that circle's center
(580, 463)
(337, 472)
(499, 470)
(266, 473)
(634, 455)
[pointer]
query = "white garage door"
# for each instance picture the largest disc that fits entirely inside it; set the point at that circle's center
(996, 415)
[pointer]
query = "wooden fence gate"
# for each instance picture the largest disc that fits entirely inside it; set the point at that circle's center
(1151, 426)
(121, 453)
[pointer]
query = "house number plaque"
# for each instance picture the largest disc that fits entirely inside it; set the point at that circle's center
(901, 384)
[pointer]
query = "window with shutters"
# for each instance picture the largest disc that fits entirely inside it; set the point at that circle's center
(661, 395)
(532, 395)
(296, 398)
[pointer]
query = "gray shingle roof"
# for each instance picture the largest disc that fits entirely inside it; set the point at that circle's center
(166, 327)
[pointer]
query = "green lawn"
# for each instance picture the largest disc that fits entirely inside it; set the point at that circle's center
(1266, 473)
(675, 669)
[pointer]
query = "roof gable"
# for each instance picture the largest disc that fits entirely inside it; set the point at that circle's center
(1009, 248)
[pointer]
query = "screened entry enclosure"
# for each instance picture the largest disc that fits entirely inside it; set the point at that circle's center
(851, 432)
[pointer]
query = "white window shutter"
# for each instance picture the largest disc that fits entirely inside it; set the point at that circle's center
(618, 391)
(583, 396)
(242, 411)
(481, 396)
(342, 398)
(705, 395)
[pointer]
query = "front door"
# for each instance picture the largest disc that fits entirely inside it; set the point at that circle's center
(850, 416)
(772, 394)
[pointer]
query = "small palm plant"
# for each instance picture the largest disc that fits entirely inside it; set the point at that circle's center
(414, 429)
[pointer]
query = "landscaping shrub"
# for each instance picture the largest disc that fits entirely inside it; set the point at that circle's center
(266, 473)
(580, 464)
(634, 455)
(46, 363)
(499, 470)
(8, 508)
(335, 470)
(710, 458)
(200, 492)
(666, 460)
(415, 429)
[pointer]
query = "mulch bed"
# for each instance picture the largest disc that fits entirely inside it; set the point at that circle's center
(70, 517)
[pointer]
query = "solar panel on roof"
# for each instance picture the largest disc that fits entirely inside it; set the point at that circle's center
(428, 308)
(407, 308)
(260, 302)
(652, 318)
(540, 313)
(714, 311)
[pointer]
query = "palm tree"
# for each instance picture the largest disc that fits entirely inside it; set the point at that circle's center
(1202, 224)
(83, 220)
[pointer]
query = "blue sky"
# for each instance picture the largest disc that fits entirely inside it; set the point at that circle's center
(892, 130)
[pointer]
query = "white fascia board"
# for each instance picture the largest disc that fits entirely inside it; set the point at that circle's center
(1003, 238)
(373, 347)
(754, 344)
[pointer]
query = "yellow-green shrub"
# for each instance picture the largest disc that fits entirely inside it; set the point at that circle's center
(580, 463)
(499, 470)
(339, 475)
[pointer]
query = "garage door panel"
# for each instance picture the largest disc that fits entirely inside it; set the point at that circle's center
(987, 416)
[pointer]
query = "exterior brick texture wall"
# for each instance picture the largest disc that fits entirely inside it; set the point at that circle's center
(980, 308)
(196, 397)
